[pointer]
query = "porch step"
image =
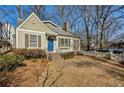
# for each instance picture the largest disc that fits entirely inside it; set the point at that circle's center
(56, 57)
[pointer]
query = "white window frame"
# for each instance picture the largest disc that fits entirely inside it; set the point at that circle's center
(29, 41)
(64, 45)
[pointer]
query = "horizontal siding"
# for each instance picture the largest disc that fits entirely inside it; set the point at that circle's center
(68, 49)
(21, 38)
(34, 23)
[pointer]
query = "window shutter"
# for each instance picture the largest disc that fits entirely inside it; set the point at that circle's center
(26, 40)
(59, 42)
(39, 40)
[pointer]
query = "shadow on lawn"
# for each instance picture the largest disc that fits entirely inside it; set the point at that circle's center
(116, 74)
(119, 64)
(113, 71)
(84, 64)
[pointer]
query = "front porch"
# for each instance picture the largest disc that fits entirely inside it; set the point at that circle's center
(51, 43)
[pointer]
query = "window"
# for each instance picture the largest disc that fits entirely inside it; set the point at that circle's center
(64, 42)
(76, 44)
(33, 41)
(67, 42)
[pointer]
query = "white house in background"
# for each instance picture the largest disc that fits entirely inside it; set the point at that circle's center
(9, 33)
(33, 33)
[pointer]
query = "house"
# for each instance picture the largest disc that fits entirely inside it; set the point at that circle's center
(8, 34)
(33, 33)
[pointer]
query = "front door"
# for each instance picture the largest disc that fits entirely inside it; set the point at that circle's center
(50, 44)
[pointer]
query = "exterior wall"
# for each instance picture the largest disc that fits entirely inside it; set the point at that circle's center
(79, 43)
(35, 24)
(66, 49)
(55, 45)
(20, 41)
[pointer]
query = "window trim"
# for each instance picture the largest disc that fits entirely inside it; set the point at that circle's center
(64, 45)
(29, 41)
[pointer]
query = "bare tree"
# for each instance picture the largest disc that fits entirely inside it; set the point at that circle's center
(102, 22)
(5, 34)
(108, 22)
(88, 23)
(6, 29)
(37, 9)
(18, 7)
(68, 14)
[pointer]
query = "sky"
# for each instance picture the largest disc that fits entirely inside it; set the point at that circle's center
(12, 15)
(8, 13)
(6, 16)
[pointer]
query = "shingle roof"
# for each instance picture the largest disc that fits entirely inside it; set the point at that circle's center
(57, 29)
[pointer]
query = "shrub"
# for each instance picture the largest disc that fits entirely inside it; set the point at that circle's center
(5, 79)
(30, 53)
(8, 63)
(67, 55)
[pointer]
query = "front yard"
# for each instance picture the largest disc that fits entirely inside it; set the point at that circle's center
(85, 71)
(23, 76)
(80, 71)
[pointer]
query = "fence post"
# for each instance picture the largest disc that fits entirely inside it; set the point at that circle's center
(122, 55)
(111, 54)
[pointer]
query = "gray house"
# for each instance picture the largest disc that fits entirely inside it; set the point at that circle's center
(33, 33)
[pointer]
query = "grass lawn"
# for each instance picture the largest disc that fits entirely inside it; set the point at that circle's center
(80, 71)
(86, 71)
(24, 76)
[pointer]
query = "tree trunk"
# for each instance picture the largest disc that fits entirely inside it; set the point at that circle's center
(97, 25)
(101, 39)
(88, 36)
(88, 41)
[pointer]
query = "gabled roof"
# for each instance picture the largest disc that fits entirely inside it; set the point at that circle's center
(32, 22)
(47, 26)
(57, 29)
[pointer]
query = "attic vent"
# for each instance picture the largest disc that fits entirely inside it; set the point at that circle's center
(33, 21)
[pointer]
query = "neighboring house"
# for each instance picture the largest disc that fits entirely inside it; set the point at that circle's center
(33, 33)
(8, 34)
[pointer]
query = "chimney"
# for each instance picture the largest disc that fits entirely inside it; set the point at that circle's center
(65, 27)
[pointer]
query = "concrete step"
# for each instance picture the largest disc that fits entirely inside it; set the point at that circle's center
(56, 57)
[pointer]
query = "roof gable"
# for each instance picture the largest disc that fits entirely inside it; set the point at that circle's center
(32, 22)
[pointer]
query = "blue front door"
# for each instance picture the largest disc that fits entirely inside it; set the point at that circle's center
(50, 44)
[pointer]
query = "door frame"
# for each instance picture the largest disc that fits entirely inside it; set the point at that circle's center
(52, 45)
